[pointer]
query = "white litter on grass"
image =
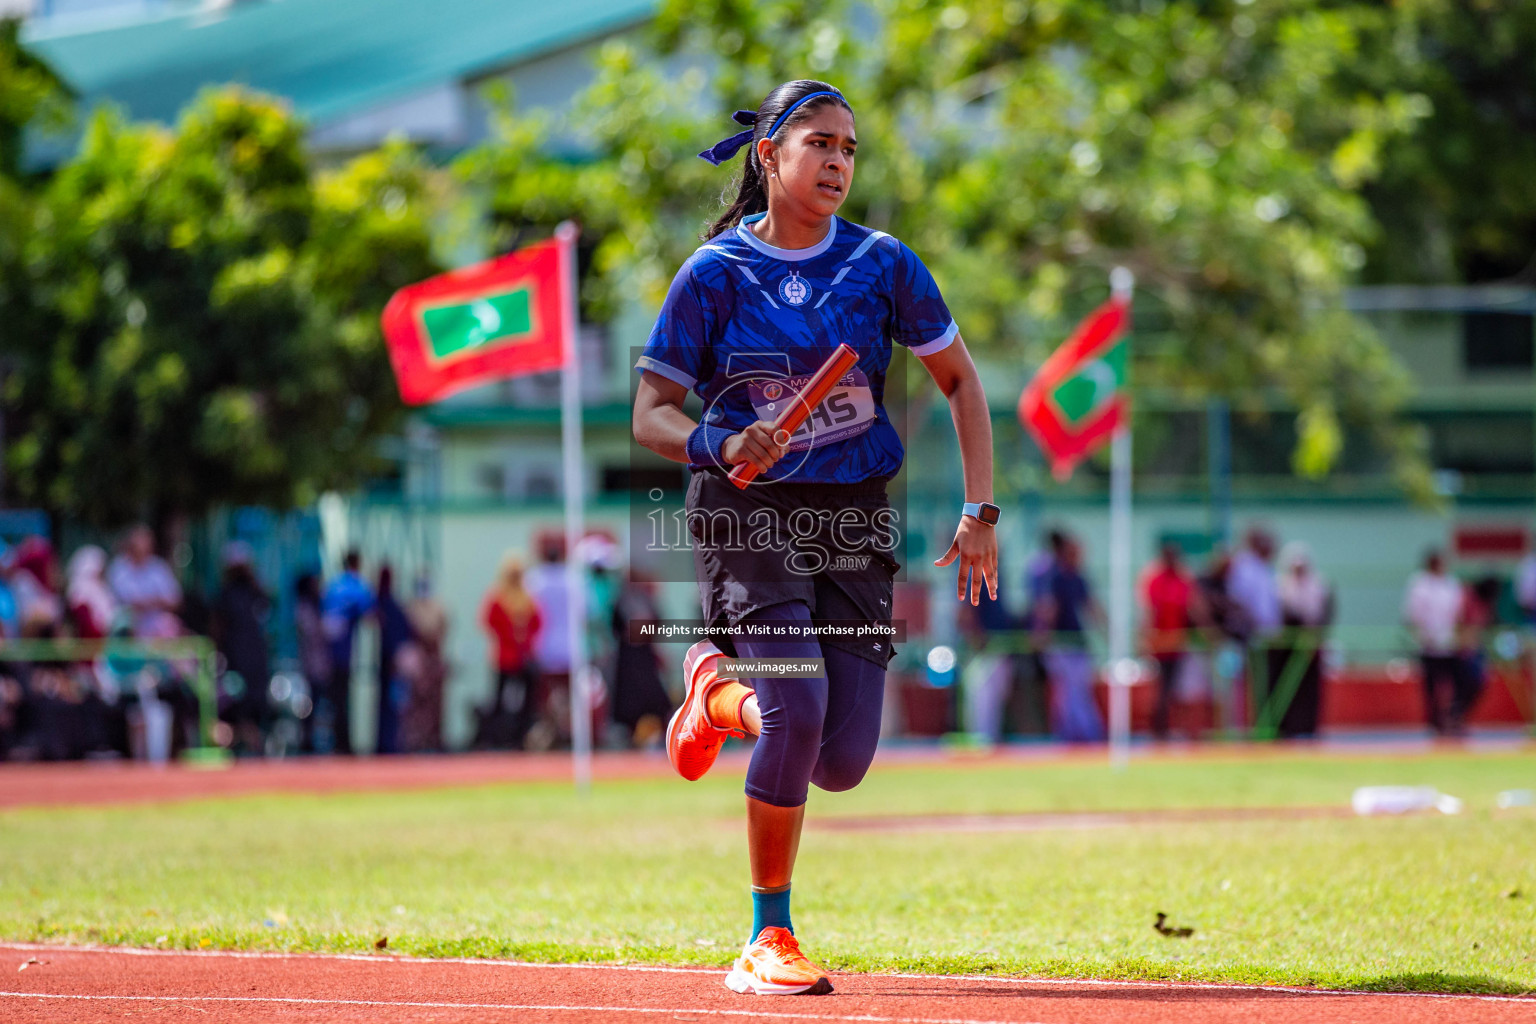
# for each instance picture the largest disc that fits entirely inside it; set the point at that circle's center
(1403, 800)
(1516, 798)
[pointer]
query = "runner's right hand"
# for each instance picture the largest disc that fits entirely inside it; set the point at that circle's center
(754, 445)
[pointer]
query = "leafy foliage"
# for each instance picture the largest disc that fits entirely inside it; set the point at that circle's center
(200, 323)
(31, 97)
(1455, 199)
(1215, 148)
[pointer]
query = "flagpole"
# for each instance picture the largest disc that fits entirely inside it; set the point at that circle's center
(575, 575)
(1122, 666)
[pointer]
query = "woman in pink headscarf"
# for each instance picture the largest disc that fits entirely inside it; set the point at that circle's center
(91, 604)
(32, 581)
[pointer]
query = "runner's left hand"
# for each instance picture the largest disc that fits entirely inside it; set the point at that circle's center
(975, 544)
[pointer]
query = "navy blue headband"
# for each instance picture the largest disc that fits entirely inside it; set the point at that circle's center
(723, 150)
(727, 148)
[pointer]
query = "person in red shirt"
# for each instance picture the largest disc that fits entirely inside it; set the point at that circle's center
(1171, 604)
(511, 618)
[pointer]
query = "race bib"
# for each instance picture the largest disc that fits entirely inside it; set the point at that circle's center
(847, 411)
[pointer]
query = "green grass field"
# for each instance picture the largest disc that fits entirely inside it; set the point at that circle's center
(656, 871)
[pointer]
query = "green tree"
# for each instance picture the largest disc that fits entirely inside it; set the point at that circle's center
(1218, 148)
(1455, 199)
(32, 97)
(200, 324)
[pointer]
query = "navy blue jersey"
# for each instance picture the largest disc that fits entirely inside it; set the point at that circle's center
(745, 324)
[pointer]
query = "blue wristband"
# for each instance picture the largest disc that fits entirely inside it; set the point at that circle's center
(704, 445)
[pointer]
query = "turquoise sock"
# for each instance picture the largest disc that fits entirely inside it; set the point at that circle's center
(770, 909)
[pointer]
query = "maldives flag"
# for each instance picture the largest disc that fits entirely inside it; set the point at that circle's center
(498, 319)
(1079, 398)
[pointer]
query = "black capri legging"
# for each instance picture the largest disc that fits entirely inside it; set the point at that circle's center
(809, 555)
(821, 730)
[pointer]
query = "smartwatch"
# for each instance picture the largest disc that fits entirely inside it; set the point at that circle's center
(983, 511)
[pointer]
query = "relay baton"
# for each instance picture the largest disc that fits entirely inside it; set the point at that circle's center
(798, 409)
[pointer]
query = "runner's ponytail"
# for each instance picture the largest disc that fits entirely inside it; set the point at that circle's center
(797, 99)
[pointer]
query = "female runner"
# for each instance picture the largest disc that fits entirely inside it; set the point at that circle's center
(781, 282)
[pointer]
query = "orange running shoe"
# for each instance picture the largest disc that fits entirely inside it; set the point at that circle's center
(693, 742)
(772, 965)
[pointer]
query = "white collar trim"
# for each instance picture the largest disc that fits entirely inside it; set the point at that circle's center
(763, 247)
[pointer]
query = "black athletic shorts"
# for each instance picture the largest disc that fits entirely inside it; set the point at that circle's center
(828, 545)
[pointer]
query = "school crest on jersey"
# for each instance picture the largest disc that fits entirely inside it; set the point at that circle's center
(793, 289)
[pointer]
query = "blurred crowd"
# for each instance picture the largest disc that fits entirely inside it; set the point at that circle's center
(69, 695)
(526, 615)
(1450, 621)
(1251, 623)
(55, 707)
(1247, 629)
(410, 663)
(65, 694)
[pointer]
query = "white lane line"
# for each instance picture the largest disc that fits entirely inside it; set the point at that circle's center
(864, 1018)
(366, 958)
(1227, 986)
(1220, 986)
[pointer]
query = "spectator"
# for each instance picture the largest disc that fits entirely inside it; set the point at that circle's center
(512, 619)
(1171, 604)
(987, 679)
(34, 585)
(238, 622)
(1224, 613)
(314, 650)
(395, 635)
(986, 682)
(424, 711)
(640, 701)
(1251, 588)
(10, 615)
(92, 608)
(1032, 674)
(1479, 614)
(347, 600)
(1251, 583)
(1306, 609)
(145, 586)
(1525, 587)
(12, 702)
(1432, 608)
(1065, 603)
(994, 616)
(600, 557)
(58, 715)
(55, 710)
(1037, 575)
(1228, 668)
(548, 587)
(143, 582)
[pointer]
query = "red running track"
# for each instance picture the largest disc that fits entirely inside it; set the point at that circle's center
(72, 985)
(83, 783)
(117, 782)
